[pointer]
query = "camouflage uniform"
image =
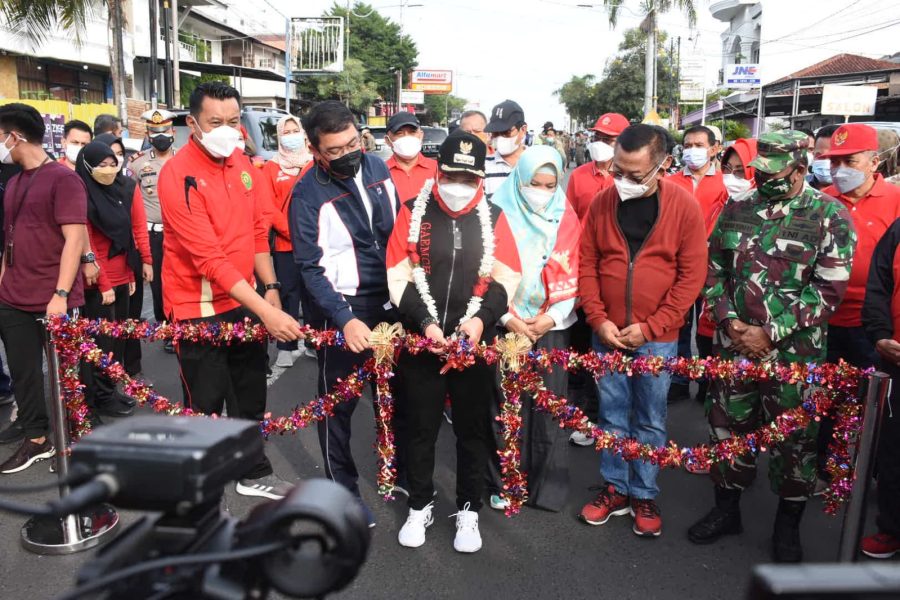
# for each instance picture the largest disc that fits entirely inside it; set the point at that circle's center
(782, 265)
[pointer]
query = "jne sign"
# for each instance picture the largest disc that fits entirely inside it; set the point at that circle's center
(742, 76)
(848, 100)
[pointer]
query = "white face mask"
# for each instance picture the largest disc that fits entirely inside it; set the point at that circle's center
(456, 196)
(293, 142)
(121, 162)
(600, 151)
(735, 185)
(72, 151)
(628, 189)
(6, 153)
(537, 198)
(221, 141)
(505, 145)
(695, 158)
(407, 146)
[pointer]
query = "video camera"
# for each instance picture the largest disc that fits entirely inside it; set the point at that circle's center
(306, 545)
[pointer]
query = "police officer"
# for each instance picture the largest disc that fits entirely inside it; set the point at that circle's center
(779, 263)
(145, 167)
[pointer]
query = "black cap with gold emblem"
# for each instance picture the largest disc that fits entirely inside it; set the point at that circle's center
(462, 152)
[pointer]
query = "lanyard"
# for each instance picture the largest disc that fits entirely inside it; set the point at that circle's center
(8, 254)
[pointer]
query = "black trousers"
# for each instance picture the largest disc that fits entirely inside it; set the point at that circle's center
(888, 519)
(335, 431)
(582, 390)
(233, 377)
(136, 309)
(98, 388)
(288, 273)
(470, 393)
(23, 337)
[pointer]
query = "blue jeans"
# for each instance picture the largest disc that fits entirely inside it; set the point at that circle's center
(634, 407)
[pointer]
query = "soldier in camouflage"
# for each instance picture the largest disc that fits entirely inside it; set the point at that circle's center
(779, 263)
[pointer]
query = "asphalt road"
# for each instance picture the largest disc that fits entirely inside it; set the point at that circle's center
(536, 554)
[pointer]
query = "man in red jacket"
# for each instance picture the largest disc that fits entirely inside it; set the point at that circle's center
(216, 238)
(642, 264)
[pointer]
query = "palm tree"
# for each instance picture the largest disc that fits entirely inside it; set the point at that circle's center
(35, 19)
(651, 9)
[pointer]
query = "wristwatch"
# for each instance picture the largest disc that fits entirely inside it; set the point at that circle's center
(62, 293)
(427, 323)
(275, 285)
(88, 258)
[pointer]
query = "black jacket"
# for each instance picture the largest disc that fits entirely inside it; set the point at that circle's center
(879, 313)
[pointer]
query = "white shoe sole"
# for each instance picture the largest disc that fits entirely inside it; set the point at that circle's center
(428, 523)
(582, 444)
(616, 513)
(465, 550)
(246, 490)
(644, 533)
(284, 365)
(503, 506)
(31, 461)
(881, 555)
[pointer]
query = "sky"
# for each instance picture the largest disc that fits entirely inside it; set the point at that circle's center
(524, 50)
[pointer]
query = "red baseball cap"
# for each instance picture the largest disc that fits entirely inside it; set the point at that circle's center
(611, 124)
(852, 138)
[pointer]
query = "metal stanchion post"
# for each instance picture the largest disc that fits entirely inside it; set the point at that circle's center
(878, 387)
(77, 532)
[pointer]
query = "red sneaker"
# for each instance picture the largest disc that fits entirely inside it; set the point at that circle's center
(608, 503)
(880, 545)
(647, 520)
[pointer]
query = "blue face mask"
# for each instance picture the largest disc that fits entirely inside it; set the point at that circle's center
(821, 168)
(293, 141)
(847, 179)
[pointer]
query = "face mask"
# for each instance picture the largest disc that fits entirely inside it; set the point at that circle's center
(695, 158)
(293, 141)
(72, 152)
(600, 151)
(408, 146)
(735, 185)
(456, 196)
(121, 161)
(773, 188)
(346, 166)
(537, 198)
(6, 153)
(506, 145)
(628, 189)
(821, 168)
(810, 157)
(221, 141)
(162, 142)
(105, 175)
(847, 179)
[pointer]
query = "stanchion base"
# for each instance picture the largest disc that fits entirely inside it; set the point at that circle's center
(67, 535)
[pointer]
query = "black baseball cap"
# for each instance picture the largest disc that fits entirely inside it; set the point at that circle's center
(402, 119)
(462, 152)
(505, 116)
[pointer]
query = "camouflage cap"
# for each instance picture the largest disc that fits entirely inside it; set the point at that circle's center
(778, 149)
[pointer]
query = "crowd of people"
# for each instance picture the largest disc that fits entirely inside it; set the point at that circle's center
(781, 248)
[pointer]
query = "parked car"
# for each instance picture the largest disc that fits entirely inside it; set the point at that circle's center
(431, 144)
(259, 121)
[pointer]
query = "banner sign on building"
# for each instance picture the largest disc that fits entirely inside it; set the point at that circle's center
(691, 74)
(412, 97)
(848, 100)
(53, 134)
(744, 76)
(431, 81)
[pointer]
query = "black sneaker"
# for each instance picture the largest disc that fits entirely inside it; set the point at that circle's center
(678, 391)
(117, 406)
(12, 434)
(271, 486)
(169, 347)
(28, 453)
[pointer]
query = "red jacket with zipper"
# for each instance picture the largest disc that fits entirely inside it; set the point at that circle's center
(658, 285)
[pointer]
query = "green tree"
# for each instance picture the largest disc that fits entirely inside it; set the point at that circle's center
(734, 130)
(351, 87)
(578, 96)
(377, 43)
(438, 105)
(34, 19)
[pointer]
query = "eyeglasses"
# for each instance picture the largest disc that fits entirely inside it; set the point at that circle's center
(738, 172)
(333, 153)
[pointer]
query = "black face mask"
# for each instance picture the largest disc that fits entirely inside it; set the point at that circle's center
(162, 142)
(346, 166)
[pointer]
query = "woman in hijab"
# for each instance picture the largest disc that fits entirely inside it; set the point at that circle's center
(546, 229)
(118, 148)
(117, 226)
(279, 176)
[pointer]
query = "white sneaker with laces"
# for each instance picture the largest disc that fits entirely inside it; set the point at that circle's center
(285, 359)
(412, 534)
(271, 486)
(580, 439)
(468, 538)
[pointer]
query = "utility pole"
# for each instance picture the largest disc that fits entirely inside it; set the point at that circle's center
(167, 38)
(650, 62)
(154, 67)
(118, 57)
(176, 77)
(399, 86)
(287, 65)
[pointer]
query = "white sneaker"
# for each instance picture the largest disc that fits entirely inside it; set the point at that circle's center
(580, 439)
(468, 538)
(285, 359)
(498, 502)
(412, 534)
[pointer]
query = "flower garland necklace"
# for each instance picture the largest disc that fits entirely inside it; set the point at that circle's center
(484, 268)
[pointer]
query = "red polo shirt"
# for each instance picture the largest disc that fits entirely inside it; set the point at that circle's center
(215, 219)
(872, 215)
(585, 183)
(710, 193)
(410, 184)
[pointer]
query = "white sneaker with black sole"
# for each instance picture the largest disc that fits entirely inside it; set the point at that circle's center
(271, 486)
(285, 359)
(468, 538)
(412, 534)
(579, 439)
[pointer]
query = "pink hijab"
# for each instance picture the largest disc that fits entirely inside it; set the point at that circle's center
(291, 161)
